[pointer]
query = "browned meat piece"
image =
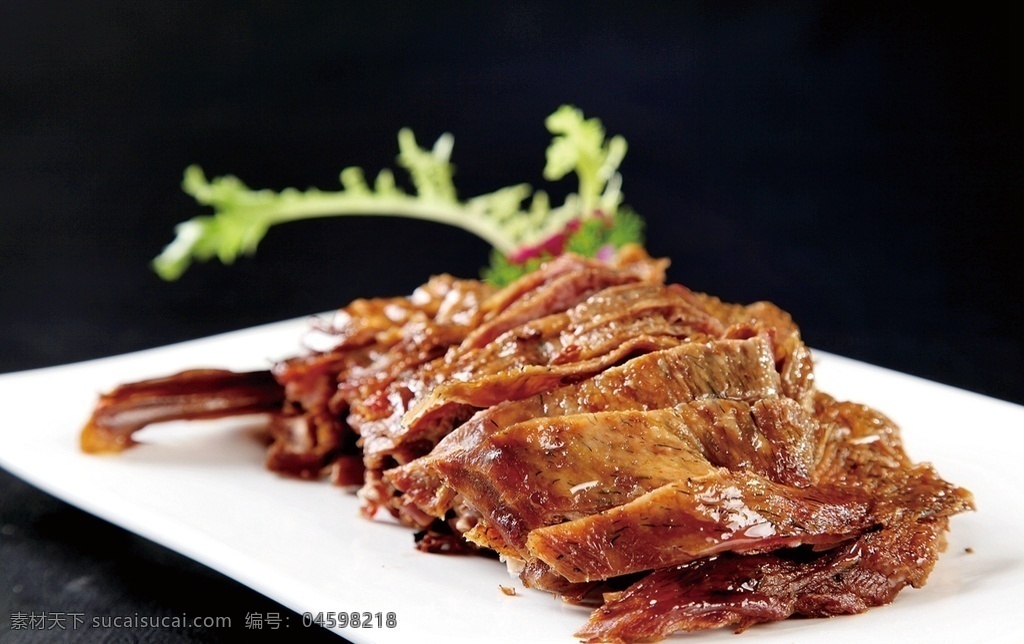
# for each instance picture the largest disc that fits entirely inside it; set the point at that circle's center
(558, 293)
(741, 591)
(189, 395)
(377, 415)
(307, 437)
(542, 483)
(533, 295)
(792, 357)
(379, 321)
(865, 456)
(598, 331)
(404, 421)
(373, 342)
(687, 520)
(549, 352)
(911, 506)
(731, 369)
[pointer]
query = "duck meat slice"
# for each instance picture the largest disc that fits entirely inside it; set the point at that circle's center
(792, 357)
(189, 395)
(744, 590)
(728, 369)
(559, 284)
(608, 327)
(557, 293)
(693, 519)
(379, 413)
(910, 507)
(605, 494)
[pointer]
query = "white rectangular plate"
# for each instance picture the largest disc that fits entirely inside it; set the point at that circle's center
(202, 490)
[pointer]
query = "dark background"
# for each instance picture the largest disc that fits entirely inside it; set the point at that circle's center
(855, 163)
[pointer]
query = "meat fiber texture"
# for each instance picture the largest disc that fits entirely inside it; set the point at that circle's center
(657, 453)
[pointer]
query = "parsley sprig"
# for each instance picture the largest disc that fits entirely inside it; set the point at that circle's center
(518, 222)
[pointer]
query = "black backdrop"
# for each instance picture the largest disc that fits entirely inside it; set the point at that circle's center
(856, 163)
